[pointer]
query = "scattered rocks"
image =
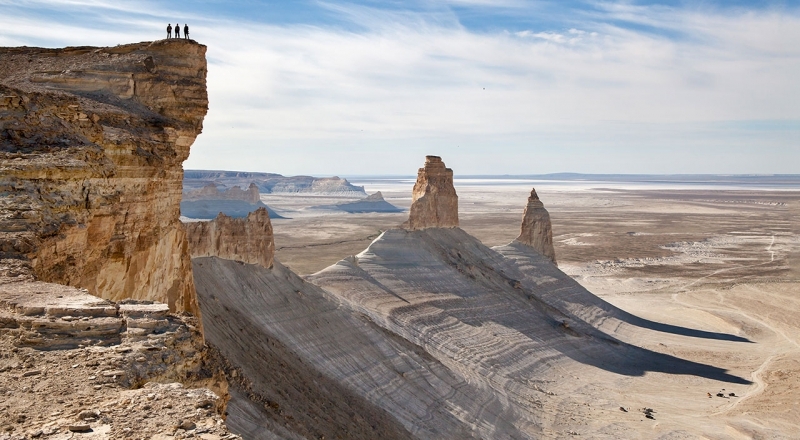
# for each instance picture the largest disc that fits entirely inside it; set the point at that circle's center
(79, 428)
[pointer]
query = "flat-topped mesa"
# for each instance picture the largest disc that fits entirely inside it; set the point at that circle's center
(211, 192)
(536, 230)
(248, 240)
(91, 165)
(434, 200)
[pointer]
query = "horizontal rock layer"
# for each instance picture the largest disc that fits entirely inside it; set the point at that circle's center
(92, 142)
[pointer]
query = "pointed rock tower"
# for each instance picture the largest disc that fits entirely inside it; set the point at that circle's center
(434, 201)
(536, 230)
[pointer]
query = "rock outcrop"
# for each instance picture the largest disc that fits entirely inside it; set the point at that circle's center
(208, 201)
(536, 230)
(372, 203)
(269, 183)
(211, 192)
(248, 240)
(92, 142)
(434, 200)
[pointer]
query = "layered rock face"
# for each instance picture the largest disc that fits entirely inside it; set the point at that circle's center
(536, 230)
(434, 199)
(249, 239)
(92, 142)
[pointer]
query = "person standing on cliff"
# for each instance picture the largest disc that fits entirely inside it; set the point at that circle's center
(186, 31)
(178, 30)
(169, 30)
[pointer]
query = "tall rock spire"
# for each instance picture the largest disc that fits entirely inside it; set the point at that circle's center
(434, 201)
(536, 230)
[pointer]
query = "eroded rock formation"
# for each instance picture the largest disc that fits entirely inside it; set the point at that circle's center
(536, 230)
(92, 142)
(211, 192)
(249, 239)
(434, 200)
(272, 183)
(372, 203)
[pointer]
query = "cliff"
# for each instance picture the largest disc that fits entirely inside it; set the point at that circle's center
(248, 240)
(536, 230)
(211, 192)
(208, 201)
(92, 142)
(434, 201)
(269, 183)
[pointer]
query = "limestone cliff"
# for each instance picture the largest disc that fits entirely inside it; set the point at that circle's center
(249, 240)
(536, 230)
(211, 192)
(92, 142)
(434, 200)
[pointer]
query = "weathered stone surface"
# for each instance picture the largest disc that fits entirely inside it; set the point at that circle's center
(434, 199)
(536, 230)
(92, 142)
(49, 316)
(249, 240)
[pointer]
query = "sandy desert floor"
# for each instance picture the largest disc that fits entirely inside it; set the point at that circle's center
(713, 258)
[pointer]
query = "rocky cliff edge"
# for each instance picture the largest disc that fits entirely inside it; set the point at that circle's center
(92, 142)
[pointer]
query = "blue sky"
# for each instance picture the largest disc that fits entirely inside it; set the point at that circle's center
(495, 87)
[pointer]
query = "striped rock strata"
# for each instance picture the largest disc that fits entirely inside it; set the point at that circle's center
(434, 200)
(536, 230)
(92, 142)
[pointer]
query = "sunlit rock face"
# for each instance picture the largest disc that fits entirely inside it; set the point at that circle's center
(434, 199)
(92, 142)
(248, 240)
(536, 230)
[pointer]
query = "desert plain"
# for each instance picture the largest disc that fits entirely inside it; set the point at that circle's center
(719, 259)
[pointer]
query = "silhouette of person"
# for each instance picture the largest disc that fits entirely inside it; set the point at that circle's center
(177, 30)
(186, 31)
(169, 30)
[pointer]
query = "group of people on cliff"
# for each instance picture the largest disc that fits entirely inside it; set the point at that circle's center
(178, 31)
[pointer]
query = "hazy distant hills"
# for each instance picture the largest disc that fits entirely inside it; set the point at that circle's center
(752, 179)
(708, 179)
(269, 183)
(372, 203)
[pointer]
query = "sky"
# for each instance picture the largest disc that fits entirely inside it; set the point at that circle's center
(493, 86)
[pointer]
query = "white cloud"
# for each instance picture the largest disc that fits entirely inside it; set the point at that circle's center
(301, 98)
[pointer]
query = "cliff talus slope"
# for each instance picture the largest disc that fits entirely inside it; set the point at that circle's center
(92, 142)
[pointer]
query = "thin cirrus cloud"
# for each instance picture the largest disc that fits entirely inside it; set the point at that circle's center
(602, 87)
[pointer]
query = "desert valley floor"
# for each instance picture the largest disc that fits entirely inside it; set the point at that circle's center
(720, 259)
